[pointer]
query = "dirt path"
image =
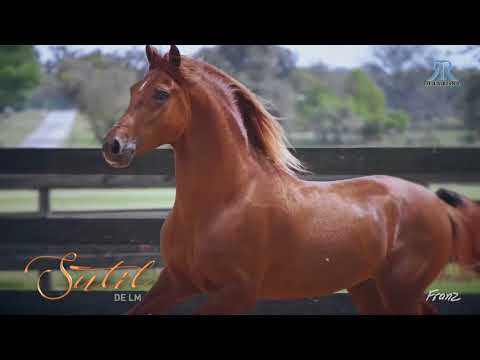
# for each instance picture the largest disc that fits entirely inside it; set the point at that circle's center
(52, 131)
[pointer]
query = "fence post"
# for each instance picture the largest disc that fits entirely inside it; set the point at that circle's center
(46, 282)
(44, 202)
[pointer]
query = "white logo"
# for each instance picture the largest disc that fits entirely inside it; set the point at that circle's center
(442, 74)
(435, 294)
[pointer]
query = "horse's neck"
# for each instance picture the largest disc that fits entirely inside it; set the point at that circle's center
(212, 162)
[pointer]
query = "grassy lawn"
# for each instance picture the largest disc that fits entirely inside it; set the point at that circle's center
(18, 280)
(471, 286)
(111, 199)
(454, 279)
(89, 199)
(18, 201)
(17, 126)
(67, 200)
(82, 134)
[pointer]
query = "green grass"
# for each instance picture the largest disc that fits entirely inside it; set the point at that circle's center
(18, 201)
(111, 199)
(19, 280)
(17, 126)
(67, 200)
(455, 279)
(82, 134)
(88, 199)
(462, 287)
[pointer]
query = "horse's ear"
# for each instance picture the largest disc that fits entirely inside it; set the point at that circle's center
(153, 55)
(174, 56)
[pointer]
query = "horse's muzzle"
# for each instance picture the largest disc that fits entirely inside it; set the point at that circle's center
(118, 152)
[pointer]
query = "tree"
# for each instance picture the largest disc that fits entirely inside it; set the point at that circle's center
(397, 120)
(320, 109)
(368, 101)
(400, 71)
(20, 72)
(367, 98)
(136, 59)
(395, 59)
(263, 68)
(99, 86)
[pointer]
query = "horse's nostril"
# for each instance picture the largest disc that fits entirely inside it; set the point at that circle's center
(115, 146)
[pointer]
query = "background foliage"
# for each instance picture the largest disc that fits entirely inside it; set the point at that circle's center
(19, 73)
(380, 103)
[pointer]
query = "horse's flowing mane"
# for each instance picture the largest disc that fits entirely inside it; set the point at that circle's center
(264, 133)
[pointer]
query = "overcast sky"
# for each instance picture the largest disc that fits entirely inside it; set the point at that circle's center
(331, 55)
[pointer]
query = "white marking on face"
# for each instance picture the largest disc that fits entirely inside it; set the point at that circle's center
(143, 85)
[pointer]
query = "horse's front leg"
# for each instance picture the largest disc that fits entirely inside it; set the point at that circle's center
(169, 290)
(230, 300)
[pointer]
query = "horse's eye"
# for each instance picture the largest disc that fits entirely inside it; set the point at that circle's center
(160, 95)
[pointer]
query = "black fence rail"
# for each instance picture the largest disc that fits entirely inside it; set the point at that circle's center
(45, 169)
(102, 238)
(419, 163)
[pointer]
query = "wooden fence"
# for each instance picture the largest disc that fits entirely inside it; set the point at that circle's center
(105, 237)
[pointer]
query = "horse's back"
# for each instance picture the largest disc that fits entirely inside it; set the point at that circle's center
(417, 215)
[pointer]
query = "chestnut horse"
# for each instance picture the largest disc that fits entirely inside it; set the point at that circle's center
(245, 226)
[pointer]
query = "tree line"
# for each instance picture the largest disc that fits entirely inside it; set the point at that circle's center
(335, 106)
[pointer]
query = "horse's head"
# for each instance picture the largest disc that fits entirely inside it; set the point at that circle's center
(157, 113)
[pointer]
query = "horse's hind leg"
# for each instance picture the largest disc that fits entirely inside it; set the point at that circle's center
(429, 309)
(403, 281)
(367, 298)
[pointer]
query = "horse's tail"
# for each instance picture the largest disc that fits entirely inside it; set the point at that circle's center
(465, 232)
